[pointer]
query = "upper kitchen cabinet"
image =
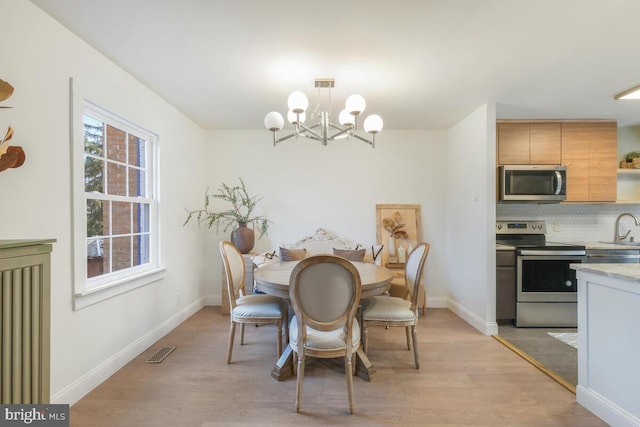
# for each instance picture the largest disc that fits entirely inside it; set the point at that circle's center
(526, 143)
(589, 150)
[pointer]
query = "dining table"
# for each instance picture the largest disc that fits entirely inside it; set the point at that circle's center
(273, 279)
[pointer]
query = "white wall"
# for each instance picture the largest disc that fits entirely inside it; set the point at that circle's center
(470, 214)
(306, 186)
(38, 57)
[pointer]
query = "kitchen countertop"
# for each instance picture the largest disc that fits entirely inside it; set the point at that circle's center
(628, 272)
(588, 245)
(603, 245)
(501, 247)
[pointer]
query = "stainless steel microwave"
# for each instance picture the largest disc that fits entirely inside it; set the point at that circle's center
(532, 183)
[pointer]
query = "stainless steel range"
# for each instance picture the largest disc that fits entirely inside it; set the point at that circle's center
(546, 287)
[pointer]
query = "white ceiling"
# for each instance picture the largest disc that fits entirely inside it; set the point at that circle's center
(421, 64)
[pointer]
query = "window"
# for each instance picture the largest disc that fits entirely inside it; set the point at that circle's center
(116, 237)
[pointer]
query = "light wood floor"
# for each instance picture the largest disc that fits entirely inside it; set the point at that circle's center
(465, 379)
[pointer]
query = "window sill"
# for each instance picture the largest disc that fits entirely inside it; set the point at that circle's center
(98, 294)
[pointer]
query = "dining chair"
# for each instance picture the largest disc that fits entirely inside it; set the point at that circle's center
(248, 308)
(325, 292)
(390, 311)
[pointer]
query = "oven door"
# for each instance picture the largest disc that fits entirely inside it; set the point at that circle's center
(547, 278)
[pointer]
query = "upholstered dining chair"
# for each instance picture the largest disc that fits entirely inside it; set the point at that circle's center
(325, 293)
(391, 311)
(248, 308)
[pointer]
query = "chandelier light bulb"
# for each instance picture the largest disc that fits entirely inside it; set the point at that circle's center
(373, 124)
(298, 102)
(273, 121)
(355, 104)
(293, 117)
(346, 118)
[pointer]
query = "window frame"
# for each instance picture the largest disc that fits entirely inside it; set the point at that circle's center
(88, 291)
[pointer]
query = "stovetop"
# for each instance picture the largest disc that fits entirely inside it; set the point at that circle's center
(529, 235)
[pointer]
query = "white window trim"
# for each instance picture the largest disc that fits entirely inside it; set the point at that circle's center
(86, 291)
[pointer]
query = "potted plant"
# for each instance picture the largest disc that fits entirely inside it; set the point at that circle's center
(236, 217)
(632, 158)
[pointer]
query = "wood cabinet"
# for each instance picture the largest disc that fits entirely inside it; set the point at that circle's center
(248, 282)
(505, 285)
(589, 150)
(522, 143)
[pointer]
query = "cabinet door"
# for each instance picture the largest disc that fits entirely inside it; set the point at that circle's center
(513, 143)
(505, 293)
(575, 155)
(603, 162)
(589, 150)
(505, 285)
(545, 144)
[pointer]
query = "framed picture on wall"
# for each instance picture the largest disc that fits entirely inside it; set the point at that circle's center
(399, 229)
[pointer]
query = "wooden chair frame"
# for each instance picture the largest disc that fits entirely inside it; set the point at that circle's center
(344, 320)
(413, 280)
(233, 264)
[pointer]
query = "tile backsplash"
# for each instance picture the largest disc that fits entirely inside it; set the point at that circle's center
(575, 222)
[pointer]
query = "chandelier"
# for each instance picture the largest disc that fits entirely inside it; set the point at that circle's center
(322, 126)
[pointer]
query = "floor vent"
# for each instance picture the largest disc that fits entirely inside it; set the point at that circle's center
(160, 355)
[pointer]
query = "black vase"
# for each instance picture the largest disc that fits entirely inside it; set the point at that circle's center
(243, 238)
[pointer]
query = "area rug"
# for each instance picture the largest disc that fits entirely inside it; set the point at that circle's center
(570, 338)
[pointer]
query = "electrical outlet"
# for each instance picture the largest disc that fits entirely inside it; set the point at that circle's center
(556, 226)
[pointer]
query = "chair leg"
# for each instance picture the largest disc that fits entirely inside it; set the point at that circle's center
(286, 326)
(408, 333)
(232, 332)
(414, 334)
(279, 347)
(299, 382)
(294, 358)
(365, 337)
(242, 334)
(353, 363)
(348, 364)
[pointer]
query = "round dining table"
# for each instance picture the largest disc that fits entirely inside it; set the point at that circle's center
(273, 279)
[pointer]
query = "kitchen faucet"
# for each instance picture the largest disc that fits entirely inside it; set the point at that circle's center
(616, 232)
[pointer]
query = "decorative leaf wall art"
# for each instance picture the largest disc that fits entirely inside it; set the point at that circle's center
(5, 91)
(10, 156)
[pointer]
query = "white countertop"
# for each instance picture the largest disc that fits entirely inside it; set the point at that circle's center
(629, 272)
(501, 247)
(602, 245)
(588, 245)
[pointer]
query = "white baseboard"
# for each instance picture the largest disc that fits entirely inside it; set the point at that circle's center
(83, 385)
(487, 328)
(437, 302)
(213, 300)
(602, 407)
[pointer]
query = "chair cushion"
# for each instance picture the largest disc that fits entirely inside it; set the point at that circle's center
(292, 254)
(385, 308)
(321, 340)
(259, 306)
(356, 255)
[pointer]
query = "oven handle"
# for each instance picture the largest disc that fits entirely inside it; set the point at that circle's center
(577, 252)
(614, 256)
